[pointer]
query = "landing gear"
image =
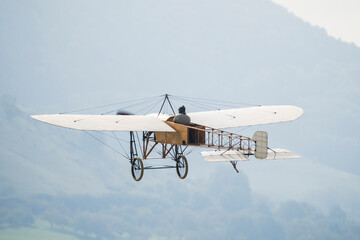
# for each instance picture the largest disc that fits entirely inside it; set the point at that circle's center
(137, 166)
(171, 151)
(137, 169)
(181, 166)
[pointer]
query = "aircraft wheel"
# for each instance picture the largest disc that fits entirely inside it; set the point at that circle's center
(137, 169)
(182, 167)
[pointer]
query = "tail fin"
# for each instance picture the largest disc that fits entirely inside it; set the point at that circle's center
(261, 144)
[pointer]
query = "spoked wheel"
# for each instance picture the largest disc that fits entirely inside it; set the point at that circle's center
(181, 166)
(137, 169)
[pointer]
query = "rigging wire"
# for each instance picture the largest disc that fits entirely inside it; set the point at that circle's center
(108, 105)
(149, 105)
(131, 105)
(112, 137)
(121, 145)
(201, 106)
(216, 101)
(105, 144)
(135, 104)
(150, 109)
(207, 105)
(137, 136)
(211, 109)
(242, 129)
(273, 151)
(204, 104)
(181, 99)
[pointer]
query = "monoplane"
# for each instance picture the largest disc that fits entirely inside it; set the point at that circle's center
(171, 139)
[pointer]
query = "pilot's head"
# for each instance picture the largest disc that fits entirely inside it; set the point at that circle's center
(182, 110)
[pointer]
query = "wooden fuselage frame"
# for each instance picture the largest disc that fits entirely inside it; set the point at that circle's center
(196, 136)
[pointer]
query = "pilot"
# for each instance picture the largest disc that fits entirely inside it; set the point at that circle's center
(182, 118)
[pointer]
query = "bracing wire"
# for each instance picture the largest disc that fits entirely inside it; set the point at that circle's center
(108, 105)
(132, 105)
(199, 105)
(149, 105)
(113, 137)
(106, 144)
(219, 102)
(150, 109)
(208, 108)
(138, 140)
(121, 145)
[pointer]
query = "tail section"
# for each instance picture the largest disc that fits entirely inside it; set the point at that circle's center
(261, 144)
(279, 153)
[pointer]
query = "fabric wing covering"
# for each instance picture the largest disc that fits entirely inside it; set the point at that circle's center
(251, 116)
(106, 122)
(238, 117)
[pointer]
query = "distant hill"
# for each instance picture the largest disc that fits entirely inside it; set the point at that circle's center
(60, 56)
(240, 51)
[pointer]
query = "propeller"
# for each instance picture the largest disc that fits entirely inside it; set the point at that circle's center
(123, 112)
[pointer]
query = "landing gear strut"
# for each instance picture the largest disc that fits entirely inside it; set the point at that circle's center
(137, 166)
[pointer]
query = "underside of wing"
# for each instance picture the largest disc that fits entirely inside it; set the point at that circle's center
(251, 116)
(106, 122)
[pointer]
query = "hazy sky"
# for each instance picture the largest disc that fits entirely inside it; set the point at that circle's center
(340, 18)
(59, 56)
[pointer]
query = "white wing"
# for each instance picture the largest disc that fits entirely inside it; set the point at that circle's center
(241, 117)
(106, 122)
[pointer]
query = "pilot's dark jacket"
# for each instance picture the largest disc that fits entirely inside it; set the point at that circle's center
(182, 119)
